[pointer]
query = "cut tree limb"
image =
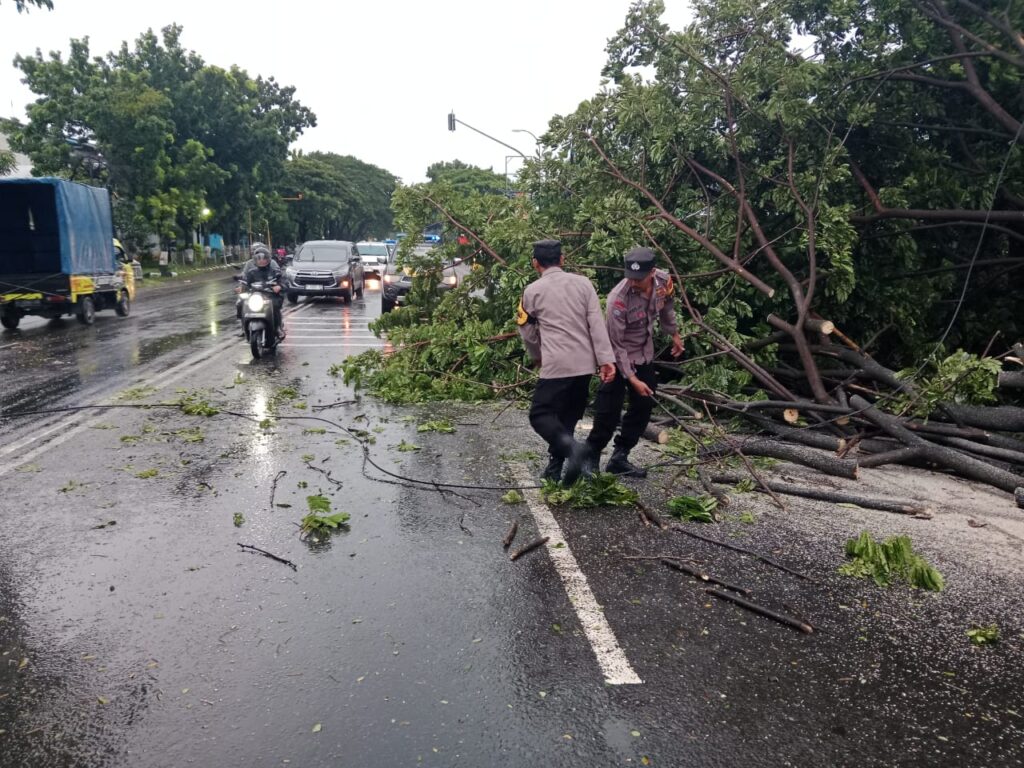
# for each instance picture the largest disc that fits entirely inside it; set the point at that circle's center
(782, 618)
(774, 449)
(901, 506)
(1018, 495)
(950, 458)
(683, 568)
(1011, 379)
(713, 490)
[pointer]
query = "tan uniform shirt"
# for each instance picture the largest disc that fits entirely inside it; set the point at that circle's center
(561, 325)
(631, 317)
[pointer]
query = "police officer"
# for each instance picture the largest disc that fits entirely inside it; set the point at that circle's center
(562, 328)
(643, 296)
(262, 269)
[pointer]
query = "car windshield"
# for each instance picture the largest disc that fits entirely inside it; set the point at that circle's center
(327, 253)
(372, 249)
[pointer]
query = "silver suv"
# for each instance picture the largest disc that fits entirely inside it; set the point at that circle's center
(325, 268)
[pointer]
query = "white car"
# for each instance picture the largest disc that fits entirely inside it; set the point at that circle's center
(374, 256)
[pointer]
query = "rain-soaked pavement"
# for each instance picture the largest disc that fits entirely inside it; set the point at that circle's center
(134, 631)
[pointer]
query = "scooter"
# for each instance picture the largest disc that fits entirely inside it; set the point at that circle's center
(258, 318)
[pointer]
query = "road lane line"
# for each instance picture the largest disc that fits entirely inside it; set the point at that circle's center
(610, 657)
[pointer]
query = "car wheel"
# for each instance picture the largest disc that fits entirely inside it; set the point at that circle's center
(346, 297)
(9, 320)
(124, 304)
(293, 298)
(86, 311)
(385, 305)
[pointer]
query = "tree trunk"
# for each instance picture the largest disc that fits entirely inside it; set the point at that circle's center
(901, 506)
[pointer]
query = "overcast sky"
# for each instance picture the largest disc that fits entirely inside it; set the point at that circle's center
(381, 75)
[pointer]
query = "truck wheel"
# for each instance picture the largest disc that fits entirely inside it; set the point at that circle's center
(385, 305)
(293, 298)
(347, 297)
(124, 304)
(86, 311)
(9, 320)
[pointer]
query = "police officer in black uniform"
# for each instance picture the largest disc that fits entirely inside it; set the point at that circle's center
(641, 298)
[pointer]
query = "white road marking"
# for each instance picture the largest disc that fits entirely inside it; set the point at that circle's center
(610, 657)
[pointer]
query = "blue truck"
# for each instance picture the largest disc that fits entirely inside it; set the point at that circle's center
(57, 252)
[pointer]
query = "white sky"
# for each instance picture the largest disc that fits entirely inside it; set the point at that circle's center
(381, 75)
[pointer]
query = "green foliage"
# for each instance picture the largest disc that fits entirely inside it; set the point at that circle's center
(194, 405)
(175, 134)
(696, 509)
(147, 474)
(959, 378)
(746, 485)
(601, 490)
(404, 447)
(984, 635)
(892, 559)
(320, 519)
(314, 431)
(437, 425)
(513, 497)
(238, 519)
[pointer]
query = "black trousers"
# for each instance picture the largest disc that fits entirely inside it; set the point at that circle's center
(608, 408)
(558, 405)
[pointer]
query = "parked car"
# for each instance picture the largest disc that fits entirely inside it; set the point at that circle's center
(375, 257)
(325, 268)
(398, 280)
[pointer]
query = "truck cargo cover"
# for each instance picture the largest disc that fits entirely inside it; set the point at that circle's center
(49, 224)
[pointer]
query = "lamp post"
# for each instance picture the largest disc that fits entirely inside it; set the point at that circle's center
(204, 215)
(452, 120)
(508, 189)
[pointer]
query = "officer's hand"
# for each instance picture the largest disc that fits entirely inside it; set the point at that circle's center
(607, 373)
(238, 289)
(640, 387)
(677, 346)
(277, 289)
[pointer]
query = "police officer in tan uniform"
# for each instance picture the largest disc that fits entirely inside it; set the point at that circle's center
(564, 331)
(643, 296)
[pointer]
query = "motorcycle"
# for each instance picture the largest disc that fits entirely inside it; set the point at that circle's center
(258, 318)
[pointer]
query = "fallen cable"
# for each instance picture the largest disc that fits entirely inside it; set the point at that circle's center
(271, 555)
(782, 618)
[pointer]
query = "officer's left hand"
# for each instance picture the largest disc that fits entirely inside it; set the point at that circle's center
(277, 289)
(607, 372)
(677, 346)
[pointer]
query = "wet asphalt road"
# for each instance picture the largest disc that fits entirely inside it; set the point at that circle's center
(135, 632)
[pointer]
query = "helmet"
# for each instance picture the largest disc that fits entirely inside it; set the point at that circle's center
(260, 252)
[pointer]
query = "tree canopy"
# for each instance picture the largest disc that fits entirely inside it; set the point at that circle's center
(799, 160)
(169, 134)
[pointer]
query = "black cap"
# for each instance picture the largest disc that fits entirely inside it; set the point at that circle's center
(547, 251)
(639, 263)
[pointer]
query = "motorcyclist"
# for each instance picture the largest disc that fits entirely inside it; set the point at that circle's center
(261, 268)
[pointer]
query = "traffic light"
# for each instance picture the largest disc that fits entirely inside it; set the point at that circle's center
(451, 121)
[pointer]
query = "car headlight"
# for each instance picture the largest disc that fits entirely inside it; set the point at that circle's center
(451, 280)
(344, 283)
(256, 302)
(289, 273)
(389, 278)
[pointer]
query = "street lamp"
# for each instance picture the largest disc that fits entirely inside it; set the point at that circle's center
(452, 120)
(508, 190)
(523, 130)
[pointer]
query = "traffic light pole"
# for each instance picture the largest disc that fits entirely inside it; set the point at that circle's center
(452, 120)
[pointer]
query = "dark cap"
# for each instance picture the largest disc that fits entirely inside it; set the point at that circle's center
(639, 263)
(547, 251)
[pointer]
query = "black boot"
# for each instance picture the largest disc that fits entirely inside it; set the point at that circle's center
(553, 471)
(619, 464)
(574, 462)
(592, 463)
